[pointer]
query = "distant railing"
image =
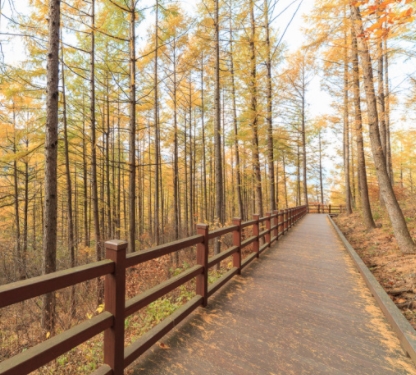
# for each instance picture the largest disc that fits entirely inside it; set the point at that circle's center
(117, 309)
(326, 209)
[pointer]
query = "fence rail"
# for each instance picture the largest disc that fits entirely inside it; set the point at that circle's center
(326, 209)
(111, 321)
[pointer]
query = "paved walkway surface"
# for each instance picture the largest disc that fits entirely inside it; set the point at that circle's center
(302, 308)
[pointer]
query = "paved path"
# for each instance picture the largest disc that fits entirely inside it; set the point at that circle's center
(301, 309)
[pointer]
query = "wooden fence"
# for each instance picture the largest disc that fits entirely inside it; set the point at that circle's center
(117, 309)
(325, 209)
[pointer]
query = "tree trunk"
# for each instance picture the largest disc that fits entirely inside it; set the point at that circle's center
(321, 184)
(107, 165)
(219, 195)
(387, 112)
(380, 97)
(204, 177)
(346, 134)
(25, 215)
(51, 161)
(353, 191)
(284, 179)
(94, 182)
(304, 159)
(254, 114)
(191, 174)
(16, 202)
(362, 173)
(157, 131)
(269, 115)
(175, 152)
(118, 215)
(237, 151)
(132, 132)
(71, 239)
(85, 178)
(398, 222)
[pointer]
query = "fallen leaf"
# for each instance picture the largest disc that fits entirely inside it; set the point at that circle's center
(163, 346)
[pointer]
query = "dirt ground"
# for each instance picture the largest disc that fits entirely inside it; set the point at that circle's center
(379, 251)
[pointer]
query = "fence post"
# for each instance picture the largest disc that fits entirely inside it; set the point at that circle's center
(237, 242)
(256, 245)
(114, 302)
(268, 226)
(276, 224)
(202, 259)
(285, 220)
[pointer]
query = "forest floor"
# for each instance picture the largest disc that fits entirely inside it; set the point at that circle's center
(21, 328)
(379, 251)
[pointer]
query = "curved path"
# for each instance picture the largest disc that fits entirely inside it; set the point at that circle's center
(302, 308)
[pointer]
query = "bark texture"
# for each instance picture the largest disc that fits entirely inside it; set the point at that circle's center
(362, 173)
(398, 222)
(219, 198)
(51, 160)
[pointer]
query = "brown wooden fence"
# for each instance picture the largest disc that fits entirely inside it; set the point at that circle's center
(117, 309)
(326, 209)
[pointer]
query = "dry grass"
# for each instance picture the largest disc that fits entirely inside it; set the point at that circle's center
(21, 328)
(379, 251)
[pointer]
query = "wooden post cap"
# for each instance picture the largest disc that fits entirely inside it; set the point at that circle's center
(116, 245)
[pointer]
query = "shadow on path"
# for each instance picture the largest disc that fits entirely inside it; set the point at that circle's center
(302, 308)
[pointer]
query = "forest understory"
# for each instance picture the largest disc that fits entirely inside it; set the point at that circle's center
(21, 324)
(395, 271)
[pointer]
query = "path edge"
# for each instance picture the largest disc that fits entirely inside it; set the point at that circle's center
(403, 329)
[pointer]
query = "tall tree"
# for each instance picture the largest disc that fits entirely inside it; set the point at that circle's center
(219, 194)
(398, 222)
(254, 116)
(346, 130)
(94, 179)
(71, 238)
(269, 116)
(51, 160)
(362, 172)
(132, 129)
(235, 121)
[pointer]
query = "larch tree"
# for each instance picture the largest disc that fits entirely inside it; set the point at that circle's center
(362, 172)
(398, 222)
(219, 193)
(51, 160)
